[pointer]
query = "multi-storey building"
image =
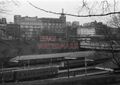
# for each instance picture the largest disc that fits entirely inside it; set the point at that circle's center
(51, 32)
(32, 27)
(3, 23)
(86, 31)
(13, 31)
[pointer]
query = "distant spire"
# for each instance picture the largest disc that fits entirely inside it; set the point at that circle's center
(62, 11)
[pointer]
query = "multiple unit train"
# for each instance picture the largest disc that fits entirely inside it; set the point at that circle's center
(81, 63)
(73, 63)
(28, 73)
(32, 72)
(44, 73)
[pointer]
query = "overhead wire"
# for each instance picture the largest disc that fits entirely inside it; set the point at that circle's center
(88, 15)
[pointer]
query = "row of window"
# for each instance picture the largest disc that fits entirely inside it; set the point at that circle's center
(40, 26)
(40, 23)
(30, 26)
(53, 24)
(38, 29)
(31, 23)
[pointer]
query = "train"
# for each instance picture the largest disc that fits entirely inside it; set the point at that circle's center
(76, 63)
(116, 70)
(44, 61)
(71, 63)
(29, 73)
(34, 73)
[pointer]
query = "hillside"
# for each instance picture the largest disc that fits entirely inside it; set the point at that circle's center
(10, 49)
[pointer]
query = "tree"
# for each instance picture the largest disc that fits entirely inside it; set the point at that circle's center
(4, 5)
(103, 8)
(7, 51)
(115, 22)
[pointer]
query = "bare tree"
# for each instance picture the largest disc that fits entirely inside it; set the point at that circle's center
(104, 11)
(115, 21)
(7, 51)
(111, 39)
(4, 5)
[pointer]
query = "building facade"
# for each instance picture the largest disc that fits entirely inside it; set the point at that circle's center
(50, 33)
(32, 27)
(86, 31)
(13, 31)
(3, 24)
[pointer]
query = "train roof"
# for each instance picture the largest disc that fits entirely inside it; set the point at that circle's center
(35, 68)
(56, 55)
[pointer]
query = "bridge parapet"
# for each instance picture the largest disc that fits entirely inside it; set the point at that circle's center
(100, 46)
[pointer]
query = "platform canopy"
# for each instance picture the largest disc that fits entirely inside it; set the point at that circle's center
(56, 55)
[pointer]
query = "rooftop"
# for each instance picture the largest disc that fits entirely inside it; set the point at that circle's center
(43, 56)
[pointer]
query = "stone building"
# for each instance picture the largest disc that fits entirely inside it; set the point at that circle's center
(13, 31)
(3, 24)
(29, 26)
(33, 27)
(85, 31)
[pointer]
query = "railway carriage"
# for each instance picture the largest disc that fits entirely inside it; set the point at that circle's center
(36, 73)
(30, 73)
(6, 76)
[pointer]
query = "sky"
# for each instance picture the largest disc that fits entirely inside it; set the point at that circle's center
(23, 8)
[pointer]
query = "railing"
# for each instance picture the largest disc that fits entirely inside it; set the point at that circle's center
(100, 46)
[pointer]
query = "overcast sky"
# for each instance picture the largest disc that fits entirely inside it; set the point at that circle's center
(22, 7)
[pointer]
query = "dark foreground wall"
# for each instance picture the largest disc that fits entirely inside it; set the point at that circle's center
(87, 80)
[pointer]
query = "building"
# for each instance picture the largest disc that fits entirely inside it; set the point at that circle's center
(71, 29)
(3, 23)
(75, 23)
(86, 31)
(13, 31)
(50, 33)
(32, 27)
(68, 23)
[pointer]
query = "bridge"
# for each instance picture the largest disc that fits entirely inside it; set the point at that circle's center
(97, 43)
(100, 47)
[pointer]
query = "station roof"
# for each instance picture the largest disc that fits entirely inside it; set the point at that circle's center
(56, 55)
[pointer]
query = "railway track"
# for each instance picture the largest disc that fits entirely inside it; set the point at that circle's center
(30, 72)
(81, 72)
